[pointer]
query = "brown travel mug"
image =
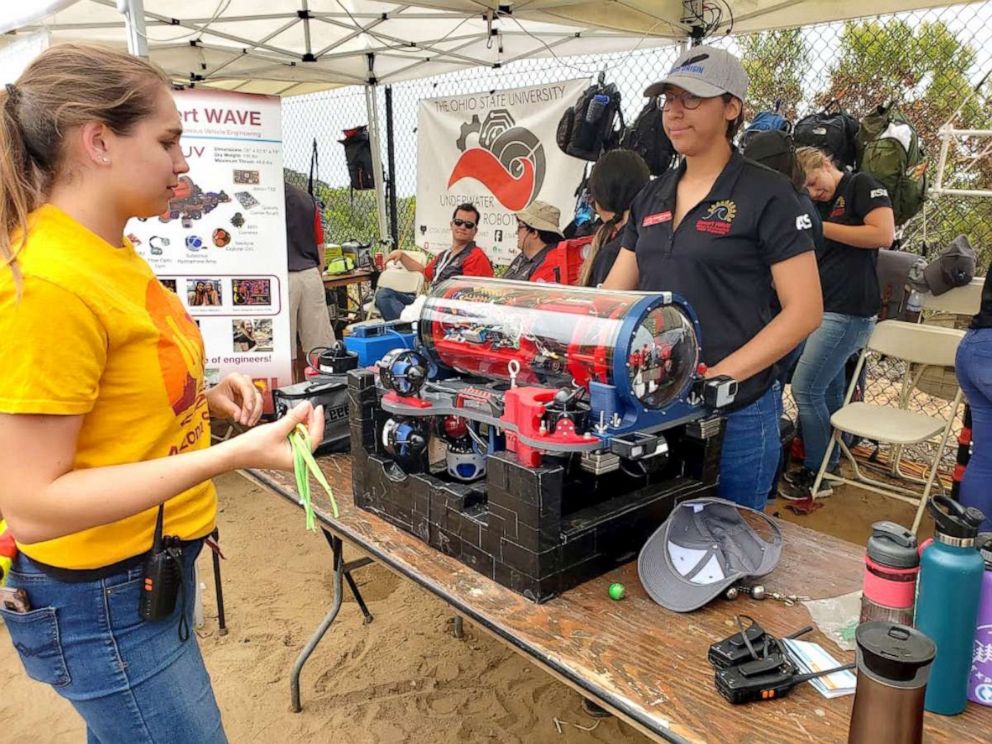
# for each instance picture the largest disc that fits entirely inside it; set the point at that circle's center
(893, 668)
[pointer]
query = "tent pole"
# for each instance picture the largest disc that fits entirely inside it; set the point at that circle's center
(391, 165)
(134, 21)
(380, 187)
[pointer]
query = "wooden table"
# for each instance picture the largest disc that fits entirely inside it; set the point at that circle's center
(333, 281)
(646, 664)
(340, 282)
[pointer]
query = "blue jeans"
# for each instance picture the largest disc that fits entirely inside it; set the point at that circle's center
(391, 303)
(131, 680)
(818, 382)
(751, 450)
(973, 366)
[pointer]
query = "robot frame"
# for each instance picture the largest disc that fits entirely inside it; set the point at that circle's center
(538, 432)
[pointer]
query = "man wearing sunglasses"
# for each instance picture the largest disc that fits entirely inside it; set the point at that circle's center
(463, 258)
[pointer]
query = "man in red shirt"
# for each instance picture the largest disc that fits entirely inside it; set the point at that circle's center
(463, 258)
(537, 236)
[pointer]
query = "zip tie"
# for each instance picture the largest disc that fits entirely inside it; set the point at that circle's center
(303, 462)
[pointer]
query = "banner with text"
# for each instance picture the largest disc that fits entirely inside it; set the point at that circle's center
(221, 244)
(496, 150)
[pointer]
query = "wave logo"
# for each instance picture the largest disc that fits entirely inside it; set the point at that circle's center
(507, 159)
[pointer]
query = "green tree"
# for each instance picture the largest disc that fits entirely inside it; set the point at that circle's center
(774, 62)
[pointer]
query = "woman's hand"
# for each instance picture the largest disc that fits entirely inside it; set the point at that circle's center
(236, 398)
(268, 446)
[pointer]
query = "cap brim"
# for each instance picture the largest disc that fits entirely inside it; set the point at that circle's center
(694, 85)
(934, 276)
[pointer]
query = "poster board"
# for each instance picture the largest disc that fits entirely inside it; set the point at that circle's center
(221, 244)
(496, 150)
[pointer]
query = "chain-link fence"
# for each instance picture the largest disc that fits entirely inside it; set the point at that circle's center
(930, 61)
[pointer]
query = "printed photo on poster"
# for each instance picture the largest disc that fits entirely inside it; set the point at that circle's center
(204, 292)
(250, 292)
(248, 334)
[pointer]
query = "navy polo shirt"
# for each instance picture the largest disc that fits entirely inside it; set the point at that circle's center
(848, 274)
(720, 256)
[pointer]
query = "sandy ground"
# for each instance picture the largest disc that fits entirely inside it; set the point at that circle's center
(401, 679)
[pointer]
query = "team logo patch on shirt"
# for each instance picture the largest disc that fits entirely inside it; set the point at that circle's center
(718, 218)
(656, 219)
(876, 193)
(839, 206)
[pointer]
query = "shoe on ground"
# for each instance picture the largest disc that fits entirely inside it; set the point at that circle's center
(798, 486)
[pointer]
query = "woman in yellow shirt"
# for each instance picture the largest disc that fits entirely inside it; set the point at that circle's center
(104, 415)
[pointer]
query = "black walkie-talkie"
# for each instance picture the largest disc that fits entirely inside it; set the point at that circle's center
(160, 583)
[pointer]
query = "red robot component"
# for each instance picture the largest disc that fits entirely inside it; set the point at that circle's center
(525, 407)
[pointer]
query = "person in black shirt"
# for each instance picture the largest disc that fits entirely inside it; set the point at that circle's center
(857, 221)
(719, 230)
(973, 366)
(615, 180)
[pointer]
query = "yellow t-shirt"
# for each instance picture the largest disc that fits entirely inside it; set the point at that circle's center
(95, 334)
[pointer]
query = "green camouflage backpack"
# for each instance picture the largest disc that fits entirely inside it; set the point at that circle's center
(889, 149)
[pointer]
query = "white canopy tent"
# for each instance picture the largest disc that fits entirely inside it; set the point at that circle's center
(290, 47)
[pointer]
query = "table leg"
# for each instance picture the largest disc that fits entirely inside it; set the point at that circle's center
(218, 588)
(359, 599)
(294, 680)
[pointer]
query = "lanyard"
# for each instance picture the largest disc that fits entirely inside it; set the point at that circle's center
(442, 263)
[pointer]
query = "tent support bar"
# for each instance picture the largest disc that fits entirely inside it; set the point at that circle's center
(380, 187)
(391, 164)
(134, 21)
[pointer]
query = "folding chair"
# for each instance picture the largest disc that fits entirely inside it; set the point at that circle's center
(952, 309)
(396, 277)
(896, 425)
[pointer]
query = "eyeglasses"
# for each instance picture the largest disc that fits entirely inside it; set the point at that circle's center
(523, 226)
(690, 101)
(463, 223)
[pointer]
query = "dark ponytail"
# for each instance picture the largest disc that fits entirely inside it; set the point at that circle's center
(617, 177)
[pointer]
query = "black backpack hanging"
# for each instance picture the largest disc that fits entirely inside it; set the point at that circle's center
(587, 129)
(358, 155)
(833, 130)
(772, 148)
(646, 136)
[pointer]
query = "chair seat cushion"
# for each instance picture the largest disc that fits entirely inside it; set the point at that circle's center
(886, 424)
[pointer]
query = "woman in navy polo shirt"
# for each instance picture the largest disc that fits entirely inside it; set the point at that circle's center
(728, 235)
(857, 221)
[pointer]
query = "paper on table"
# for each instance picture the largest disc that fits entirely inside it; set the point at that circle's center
(810, 657)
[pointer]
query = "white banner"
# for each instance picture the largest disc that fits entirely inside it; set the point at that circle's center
(496, 150)
(221, 245)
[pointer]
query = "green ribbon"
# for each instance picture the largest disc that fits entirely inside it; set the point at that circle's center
(303, 466)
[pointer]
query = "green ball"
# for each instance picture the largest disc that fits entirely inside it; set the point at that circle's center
(617, 591)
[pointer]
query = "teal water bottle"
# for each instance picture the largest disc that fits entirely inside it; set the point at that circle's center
(951, 571)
